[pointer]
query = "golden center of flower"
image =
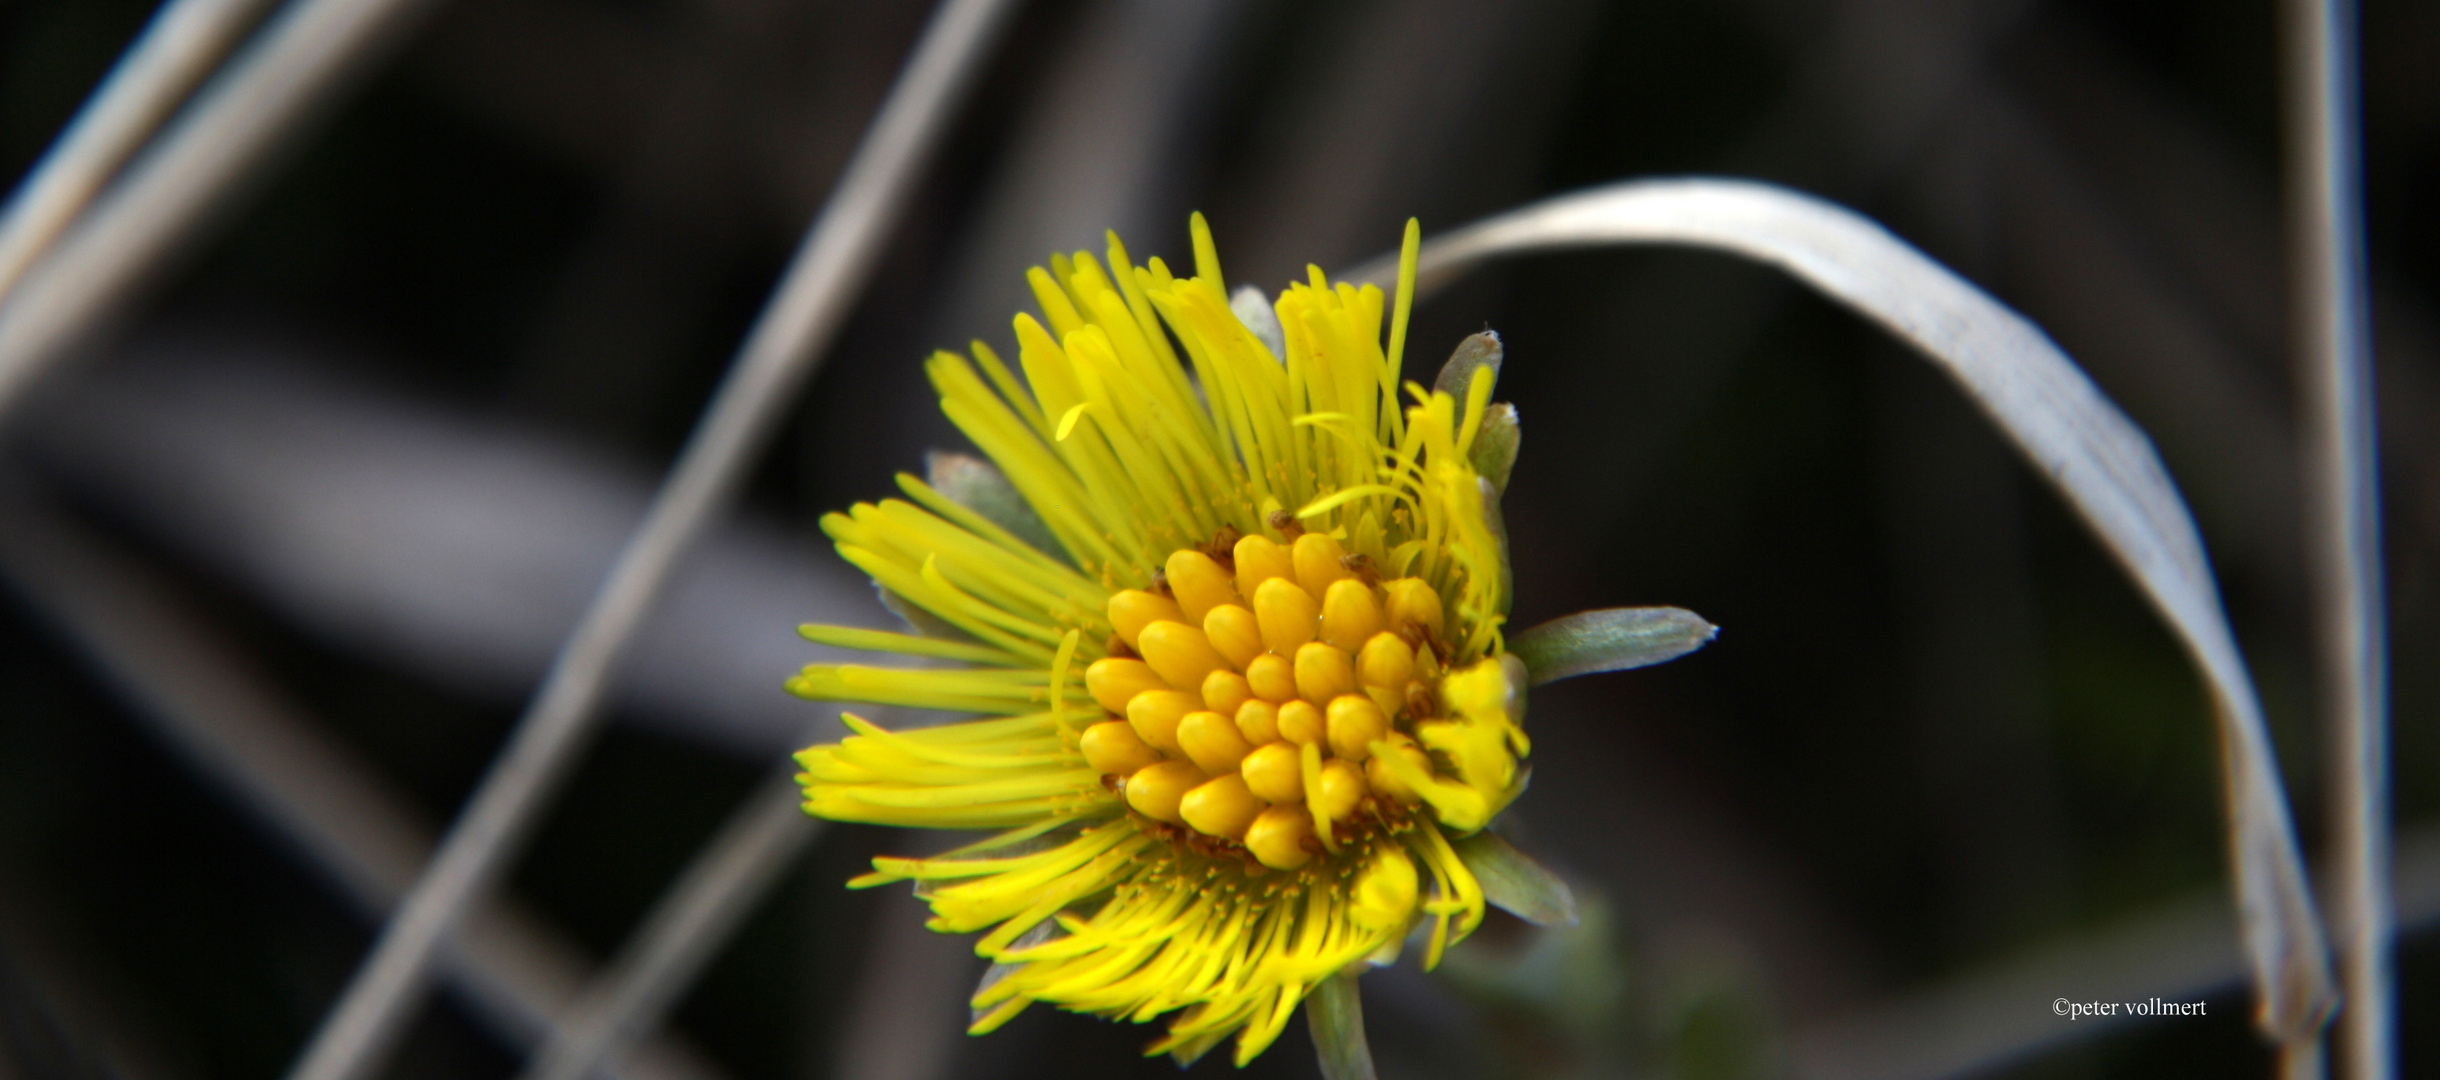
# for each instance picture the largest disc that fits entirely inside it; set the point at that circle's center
(1271, 694)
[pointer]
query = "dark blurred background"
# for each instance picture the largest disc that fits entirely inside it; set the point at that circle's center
(356, 462)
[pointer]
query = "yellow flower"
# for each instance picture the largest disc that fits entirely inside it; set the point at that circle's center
(1239, 709)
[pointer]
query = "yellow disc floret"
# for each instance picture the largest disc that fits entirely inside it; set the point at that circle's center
(1337, 673)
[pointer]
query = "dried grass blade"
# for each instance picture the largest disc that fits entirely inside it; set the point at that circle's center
(2095, 456)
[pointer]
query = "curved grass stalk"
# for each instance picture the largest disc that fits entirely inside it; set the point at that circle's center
(2096, 457)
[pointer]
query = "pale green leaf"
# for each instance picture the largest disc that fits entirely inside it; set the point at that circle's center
(1477, 351)
(1611, 639)
(1254, 310)
(1495, 446)
(975, 484)
(1516, 883)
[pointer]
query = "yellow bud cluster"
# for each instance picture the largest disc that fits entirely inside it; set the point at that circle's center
(1265, 694)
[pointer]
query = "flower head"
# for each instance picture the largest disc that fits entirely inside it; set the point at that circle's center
(1241, 690)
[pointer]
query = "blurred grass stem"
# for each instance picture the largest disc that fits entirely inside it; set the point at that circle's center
(684, 930)
(240, 734)
(181, 43)
(2303, 1058)
(292, 69)
(2331, 327)
(779, 355)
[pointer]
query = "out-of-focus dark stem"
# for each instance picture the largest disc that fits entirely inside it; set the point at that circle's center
(2330, 322)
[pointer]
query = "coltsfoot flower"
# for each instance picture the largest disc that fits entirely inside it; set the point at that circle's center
(1237, 635)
